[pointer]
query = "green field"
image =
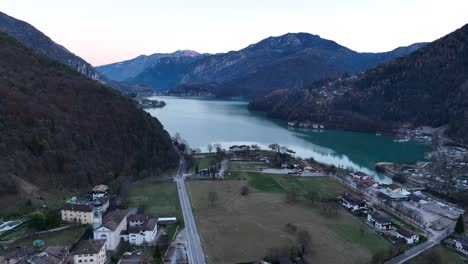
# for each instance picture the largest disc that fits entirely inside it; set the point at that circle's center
(249, 166)
(439, 254)
(360, 235)
(64, 237)
(157, 199)
(204, 161)
(324, 187)
(240, 228)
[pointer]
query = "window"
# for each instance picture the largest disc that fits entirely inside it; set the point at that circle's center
(80, 260)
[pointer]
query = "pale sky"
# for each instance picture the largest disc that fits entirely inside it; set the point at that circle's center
(106, 31)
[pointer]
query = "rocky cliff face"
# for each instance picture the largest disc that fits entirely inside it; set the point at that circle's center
(34, 39)
(289, 61)
(426, 87)
(59, 129)
(125, 70)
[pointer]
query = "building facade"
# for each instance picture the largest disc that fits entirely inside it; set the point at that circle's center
(113, 225)
(461, 244)
(379, 221)
(77, 213)
(407, 235)
(90, 251)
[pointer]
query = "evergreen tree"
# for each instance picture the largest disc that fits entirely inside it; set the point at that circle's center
(460, 225)
(157, 254)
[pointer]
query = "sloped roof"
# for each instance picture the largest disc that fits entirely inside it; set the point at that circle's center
(405, 232)
(113, 219)
(92, 246)
(77, 207)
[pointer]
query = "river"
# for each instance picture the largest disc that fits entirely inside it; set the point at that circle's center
(202, 121)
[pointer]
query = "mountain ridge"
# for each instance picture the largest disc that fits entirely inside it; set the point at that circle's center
(61, 130)
(315, 58)
(124, 70)
(33, 38)
(426, 87)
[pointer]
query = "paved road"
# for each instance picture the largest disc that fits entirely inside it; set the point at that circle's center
(194, 250)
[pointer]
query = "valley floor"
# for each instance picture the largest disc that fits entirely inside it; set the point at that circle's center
(240, 228)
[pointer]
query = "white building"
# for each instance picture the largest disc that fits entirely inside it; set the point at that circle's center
(407, 235)
(77, 213)
(352, 202)
(113, 224)
(379, 220)
(100, 191)
(90, 251)
(142, 233)
(461, 244)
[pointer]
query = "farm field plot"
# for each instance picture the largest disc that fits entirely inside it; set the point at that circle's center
(64, 237)
(204, 161)
(250, 166)
(236, 228)
(159, 199)
(439, 254)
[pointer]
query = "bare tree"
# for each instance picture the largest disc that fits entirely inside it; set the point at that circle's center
(274, 147)
(291, 196)
(217, 147)
(255, 147)
(304, 240)
(213, 198)
(210, 148)
(244, 190)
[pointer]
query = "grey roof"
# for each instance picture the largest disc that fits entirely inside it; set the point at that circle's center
(462, 240)
(352, 198)
(113, 219)
(137, 217)
(151, 224)
(77, 207)
(379, 217)
(101, 188)
(57, 251)
(148, 225)
(88, 246)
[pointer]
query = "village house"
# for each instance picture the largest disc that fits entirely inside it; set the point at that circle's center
(461, 244)
(51, 255)
(77, 213)
(359, 175)
(368, 182)
(379, 221)
(407, 235)
(352, 202)
(17, 256)
(90, 251)
(100, 191)
(391, 195)
(239, 148)
(141, 229)
(113, 224)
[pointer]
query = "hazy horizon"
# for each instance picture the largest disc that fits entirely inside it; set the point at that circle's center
(107, 31)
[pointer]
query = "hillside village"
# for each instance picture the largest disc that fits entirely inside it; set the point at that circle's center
(110, 230)
(403, 215)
